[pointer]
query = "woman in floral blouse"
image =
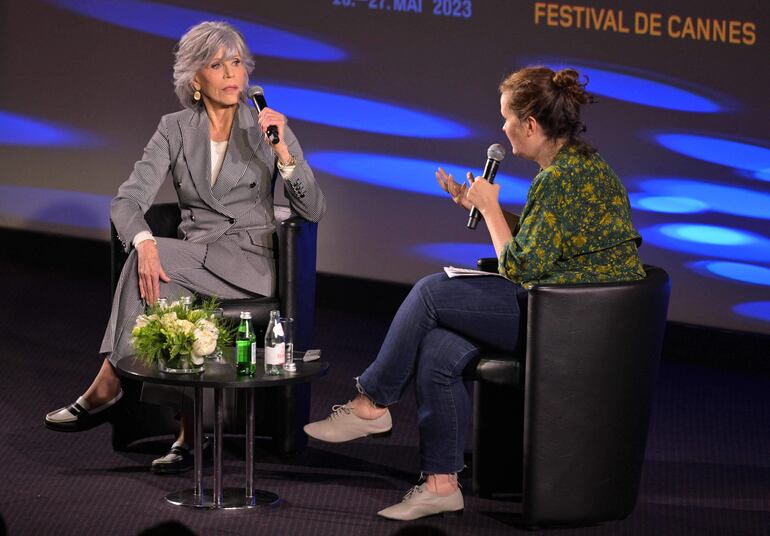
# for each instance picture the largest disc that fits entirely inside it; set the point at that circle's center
(575, 228)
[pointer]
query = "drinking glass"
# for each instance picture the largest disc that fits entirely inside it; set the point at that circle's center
(219, 316)
(288, 338)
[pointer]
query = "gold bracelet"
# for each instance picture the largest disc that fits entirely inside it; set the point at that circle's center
(292, 162)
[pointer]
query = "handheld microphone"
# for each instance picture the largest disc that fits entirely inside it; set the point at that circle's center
(257, 96)
(495, 155)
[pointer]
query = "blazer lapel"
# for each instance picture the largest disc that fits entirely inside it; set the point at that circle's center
(196, 146)
(238, 155)
(247, 147)
(260, 147)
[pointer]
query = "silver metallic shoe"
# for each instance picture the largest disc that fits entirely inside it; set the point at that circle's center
(419, 502)
(343, 425)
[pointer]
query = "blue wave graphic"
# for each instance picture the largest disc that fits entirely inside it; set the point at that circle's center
(673, 195)
(722, 151)
(408, 174)
(644, 88)
(356, 113)
(25, 131)
(758, 310)
(172, 21)
(709, 241)
(59, 207)
(735, 271)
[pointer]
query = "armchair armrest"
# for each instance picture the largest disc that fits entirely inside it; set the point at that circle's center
(297, 275)
(487, 264)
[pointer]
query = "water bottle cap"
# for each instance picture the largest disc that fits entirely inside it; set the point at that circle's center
(245, 315)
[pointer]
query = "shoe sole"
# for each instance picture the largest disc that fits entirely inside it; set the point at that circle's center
(80, 425)
(167, 471)
(446, 514)
(87, 422)
(377, 435)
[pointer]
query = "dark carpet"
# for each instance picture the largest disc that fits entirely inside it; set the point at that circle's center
(707, 470)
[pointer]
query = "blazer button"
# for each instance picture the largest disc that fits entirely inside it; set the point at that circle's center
(252, 185)
(231, 220)
(192, 217)
(178, 184)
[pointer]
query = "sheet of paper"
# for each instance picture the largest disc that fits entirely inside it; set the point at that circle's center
(453, 271)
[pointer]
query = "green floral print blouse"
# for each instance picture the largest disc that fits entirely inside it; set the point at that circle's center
(575, 227)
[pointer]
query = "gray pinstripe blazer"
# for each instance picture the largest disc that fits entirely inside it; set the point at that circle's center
(235, 217)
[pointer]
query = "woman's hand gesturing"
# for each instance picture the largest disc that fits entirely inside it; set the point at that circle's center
(456, 190)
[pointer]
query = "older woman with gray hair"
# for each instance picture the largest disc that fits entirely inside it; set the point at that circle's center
(222, 166)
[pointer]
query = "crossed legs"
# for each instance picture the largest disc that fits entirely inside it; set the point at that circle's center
(436, 332)
(183, 263)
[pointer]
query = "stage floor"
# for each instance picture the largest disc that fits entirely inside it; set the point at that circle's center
(707, 470)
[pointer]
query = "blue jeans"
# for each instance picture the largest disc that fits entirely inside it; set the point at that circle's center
(439, 328)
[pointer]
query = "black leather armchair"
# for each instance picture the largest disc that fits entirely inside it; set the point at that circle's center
(281, 411)
(574, 399)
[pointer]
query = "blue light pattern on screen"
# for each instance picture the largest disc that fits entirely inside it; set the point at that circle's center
(458, 254)
(618, 83)
(690, 196)
(356, 113)
(709, 241)
(171, 21)
(644, 91)
(735, 154)
(707, 234)
(667, 204)
(20, 130)
(58, 207)
(759, 310)
(736, 271)
(407, 174)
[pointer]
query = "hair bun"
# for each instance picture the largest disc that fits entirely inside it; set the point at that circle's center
(566, 78)
(567, 81)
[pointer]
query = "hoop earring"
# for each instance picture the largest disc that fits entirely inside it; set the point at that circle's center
(197, 95)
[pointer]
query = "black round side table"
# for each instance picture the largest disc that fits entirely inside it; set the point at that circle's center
(218, 375)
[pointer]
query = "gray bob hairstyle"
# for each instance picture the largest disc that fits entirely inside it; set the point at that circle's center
(198, 46)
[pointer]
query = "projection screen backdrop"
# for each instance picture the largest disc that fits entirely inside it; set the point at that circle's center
(382, 92)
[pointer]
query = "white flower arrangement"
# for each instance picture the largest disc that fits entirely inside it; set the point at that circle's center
(179, 335)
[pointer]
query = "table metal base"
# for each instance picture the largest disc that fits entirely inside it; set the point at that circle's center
(232, 499)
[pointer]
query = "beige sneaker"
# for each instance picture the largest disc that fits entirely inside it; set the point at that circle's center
(343, 425)
(419, 502)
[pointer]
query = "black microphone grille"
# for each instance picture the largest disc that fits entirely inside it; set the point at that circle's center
(255, 90)
(495, 152)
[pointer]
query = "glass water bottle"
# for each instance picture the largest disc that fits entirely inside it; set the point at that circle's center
(246, 346)
(275, 346)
